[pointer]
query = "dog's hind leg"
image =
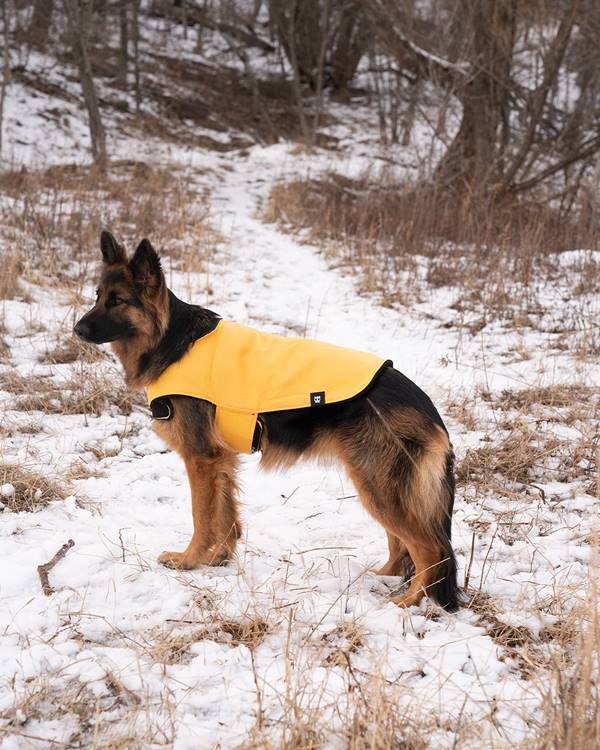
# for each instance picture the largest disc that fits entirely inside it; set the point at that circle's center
(399, 561)
(214, 512)
(404, 480)
(428, 558)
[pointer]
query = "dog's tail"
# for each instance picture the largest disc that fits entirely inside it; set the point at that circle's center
(445, 589)
(431, 504)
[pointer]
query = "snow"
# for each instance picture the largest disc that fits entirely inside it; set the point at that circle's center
(304, 563)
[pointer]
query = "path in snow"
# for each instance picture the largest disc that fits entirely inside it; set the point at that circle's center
(307, 547)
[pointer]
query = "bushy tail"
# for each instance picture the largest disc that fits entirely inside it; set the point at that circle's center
(445, 590)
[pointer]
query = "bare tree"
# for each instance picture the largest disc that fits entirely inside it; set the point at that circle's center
(41, 18)
(123, 43)
(6, 76)
(511, 137)
(323, 38)
(136, 55)
(79, 15)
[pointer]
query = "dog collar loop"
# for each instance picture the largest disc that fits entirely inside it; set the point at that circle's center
(161, 408)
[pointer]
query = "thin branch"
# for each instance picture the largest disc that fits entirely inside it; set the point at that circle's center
(589, 148)
(44, 569)
(552, 64)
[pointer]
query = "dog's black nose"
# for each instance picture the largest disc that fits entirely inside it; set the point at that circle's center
(83, 329)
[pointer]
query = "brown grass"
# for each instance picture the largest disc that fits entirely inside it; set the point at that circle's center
(168, 647)
(89, 392)
(81, 470)
(570, 717)
(32, 490)
(54, 217)
(4, 350)
(495, 255)
(530, 448)
(72, 349)
(370, 718)
(9, 278)
(517, 458)
(107, 722)
(557, 396)
(412, 220)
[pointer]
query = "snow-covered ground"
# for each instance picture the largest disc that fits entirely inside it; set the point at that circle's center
(296, 632)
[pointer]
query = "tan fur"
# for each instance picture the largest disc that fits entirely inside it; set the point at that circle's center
(325, 448)
(150, 324)
(213, 491)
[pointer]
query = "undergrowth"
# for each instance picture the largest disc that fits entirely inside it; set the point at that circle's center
(28, 489)
(404, 240)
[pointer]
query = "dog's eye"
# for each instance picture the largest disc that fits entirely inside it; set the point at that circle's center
(114, 300)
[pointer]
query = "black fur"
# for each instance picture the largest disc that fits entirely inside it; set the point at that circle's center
(145, 267)
(186, 324)
(445, 591)
(298, 428)
(112, 252)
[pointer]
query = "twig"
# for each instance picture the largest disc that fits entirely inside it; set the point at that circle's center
(44, 569)
(468, 572)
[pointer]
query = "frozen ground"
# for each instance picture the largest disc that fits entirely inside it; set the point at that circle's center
(296, 631)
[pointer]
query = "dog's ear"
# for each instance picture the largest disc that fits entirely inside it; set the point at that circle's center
(145, 268)
(112, 252)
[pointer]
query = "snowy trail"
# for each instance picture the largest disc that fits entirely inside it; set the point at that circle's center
(306, 551)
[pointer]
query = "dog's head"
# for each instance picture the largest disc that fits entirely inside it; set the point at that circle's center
(132, 300)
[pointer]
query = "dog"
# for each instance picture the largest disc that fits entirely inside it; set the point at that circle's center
(390, 437)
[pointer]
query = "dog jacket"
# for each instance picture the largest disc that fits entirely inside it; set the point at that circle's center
(244, 373)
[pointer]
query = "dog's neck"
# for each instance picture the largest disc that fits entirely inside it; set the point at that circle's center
(144, 358)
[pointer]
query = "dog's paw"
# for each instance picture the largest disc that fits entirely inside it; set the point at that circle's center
(177, 561)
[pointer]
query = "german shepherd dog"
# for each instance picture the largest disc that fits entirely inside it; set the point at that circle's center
(391, 439)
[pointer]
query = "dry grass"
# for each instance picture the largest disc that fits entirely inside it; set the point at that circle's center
(82, 470)
(89, 392)
(106, 722)
(72, 349)
(9, 279)
(373, 715)
(4, 350)
(404, 239)
(55, 217)
(412, 220)
(27, 489)
(531, 447)
(517, 458)
(570, 715)
(168, 647)
(557, 396)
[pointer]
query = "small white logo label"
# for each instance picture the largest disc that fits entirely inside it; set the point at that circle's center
(317, 398)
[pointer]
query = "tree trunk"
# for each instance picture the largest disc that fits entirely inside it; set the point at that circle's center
(474, 157)
(41, 18)
(136, 55)
(350, 45)
(79, 17)
(123, 44)
(298, 27)
(5, 68)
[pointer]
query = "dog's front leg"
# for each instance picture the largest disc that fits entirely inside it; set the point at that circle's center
(214, 511)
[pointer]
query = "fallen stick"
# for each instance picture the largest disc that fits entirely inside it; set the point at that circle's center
(44, 569)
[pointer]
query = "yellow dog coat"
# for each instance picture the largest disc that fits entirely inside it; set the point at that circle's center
(244, 372)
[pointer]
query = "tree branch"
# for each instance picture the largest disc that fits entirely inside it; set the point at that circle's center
(588, 148)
